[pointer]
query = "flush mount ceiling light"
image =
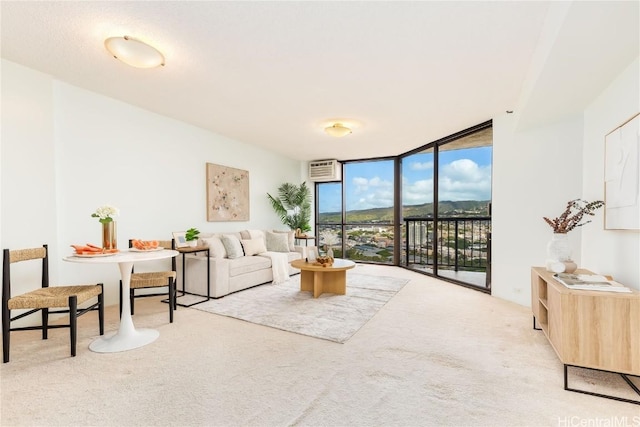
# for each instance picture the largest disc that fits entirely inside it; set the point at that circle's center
(134, 52)
(337, 130)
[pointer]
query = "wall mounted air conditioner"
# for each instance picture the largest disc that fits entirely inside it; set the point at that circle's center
(324, 170)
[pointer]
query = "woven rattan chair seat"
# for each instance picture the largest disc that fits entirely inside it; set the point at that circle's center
(151, 280)
(53, 296)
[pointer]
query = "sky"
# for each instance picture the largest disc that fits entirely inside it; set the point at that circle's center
(464, 175)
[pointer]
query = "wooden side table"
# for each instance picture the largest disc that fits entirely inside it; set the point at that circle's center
(304, 238)
(194, 250)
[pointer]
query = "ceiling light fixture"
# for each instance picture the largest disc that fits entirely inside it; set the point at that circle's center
(134, 52)
(337, 130)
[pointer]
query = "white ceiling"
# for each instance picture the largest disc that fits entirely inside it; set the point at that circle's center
(273, 73)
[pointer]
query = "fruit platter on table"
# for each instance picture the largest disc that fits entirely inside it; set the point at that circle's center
(324, 261)
(145, 245)
(89, 250)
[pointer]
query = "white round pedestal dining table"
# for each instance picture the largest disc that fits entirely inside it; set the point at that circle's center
(127, 337)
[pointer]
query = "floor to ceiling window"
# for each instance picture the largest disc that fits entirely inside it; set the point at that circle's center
(364, 229)
(446, 199)
(436, 220)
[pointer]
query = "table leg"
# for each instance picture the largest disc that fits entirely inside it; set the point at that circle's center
(127, 337)
(306, 280)
(335, 282)
(319, 282)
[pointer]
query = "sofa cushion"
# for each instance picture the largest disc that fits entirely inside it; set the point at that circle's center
(216, 248)
(291, 235)
(276, 242)
(248, 264)
(232, 246)
(253, 246)
(251, 234)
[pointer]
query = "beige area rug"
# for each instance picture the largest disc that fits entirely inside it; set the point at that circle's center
(331, 317)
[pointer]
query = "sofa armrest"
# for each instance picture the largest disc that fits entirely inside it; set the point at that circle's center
(196, 276)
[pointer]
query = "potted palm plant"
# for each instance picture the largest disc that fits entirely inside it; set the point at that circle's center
(293, 205)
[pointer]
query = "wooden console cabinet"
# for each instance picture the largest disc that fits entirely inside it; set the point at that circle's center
(588, 329)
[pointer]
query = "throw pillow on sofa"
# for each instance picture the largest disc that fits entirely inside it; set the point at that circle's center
(253, 246)
(251, 234)
(232, 245)
(291, 235)
(216, 248)
(276, 242)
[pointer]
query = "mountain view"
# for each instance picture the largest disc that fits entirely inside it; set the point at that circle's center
(375, 215)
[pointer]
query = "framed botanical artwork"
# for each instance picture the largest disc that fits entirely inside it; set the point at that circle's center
(180, 238)
(622, 176)
(227, 193)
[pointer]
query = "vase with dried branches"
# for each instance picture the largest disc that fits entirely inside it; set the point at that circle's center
(558, 250)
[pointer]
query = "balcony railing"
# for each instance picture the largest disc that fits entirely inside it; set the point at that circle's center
(461, 243)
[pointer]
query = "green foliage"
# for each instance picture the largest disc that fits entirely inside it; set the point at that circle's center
(293, 205)
(425, 210)
(191, 234)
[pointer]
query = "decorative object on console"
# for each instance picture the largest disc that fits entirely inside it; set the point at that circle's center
(227, 193)
(191, 236)
(293, 205)
(570, 219)
(105, 215)
(570, 266)
(558, 250)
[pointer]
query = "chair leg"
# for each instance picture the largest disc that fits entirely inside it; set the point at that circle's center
(101, 309)
(172, 299)
(73, 322)
(45, 323)
(121, 299)
(131, 300)
(6, 320)
(175, 295)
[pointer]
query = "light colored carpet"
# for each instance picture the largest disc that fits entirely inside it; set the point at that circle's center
(436, 354)
(330, 316)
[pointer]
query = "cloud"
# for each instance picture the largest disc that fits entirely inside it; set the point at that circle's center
(369, 193)
(418, 192)
(420, 166)
(463, 179)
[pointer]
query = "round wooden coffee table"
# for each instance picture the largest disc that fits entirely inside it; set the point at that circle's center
(318, 279)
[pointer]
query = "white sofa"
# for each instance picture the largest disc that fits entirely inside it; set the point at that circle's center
(237, 261)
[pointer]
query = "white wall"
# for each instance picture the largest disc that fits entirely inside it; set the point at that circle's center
(614, 252)
(66, 151)
(536, 171)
